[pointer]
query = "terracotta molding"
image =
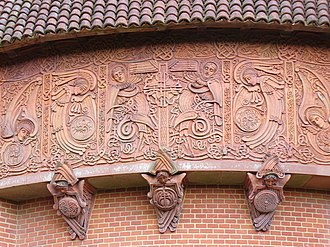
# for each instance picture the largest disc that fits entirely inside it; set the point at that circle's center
(143, 167)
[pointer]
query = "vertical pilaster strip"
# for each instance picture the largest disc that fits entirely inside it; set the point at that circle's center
(102, 85)
(46, 92)
(290, 102)
(163, 110)
(227, 107)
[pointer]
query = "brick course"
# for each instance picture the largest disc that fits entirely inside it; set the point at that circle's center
(8, 223)
(212, 216)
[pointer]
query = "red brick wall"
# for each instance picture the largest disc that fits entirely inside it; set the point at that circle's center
(212, 216)
(8, 223)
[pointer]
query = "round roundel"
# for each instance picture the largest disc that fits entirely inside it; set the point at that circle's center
(82, 128)
(13, 155)
(248, 119)
(69, 207)
(165, 198)
(266, 201)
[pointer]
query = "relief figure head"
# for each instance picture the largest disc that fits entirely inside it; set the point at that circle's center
(119, 73)
(62, 185)
(209, 69)
(24, 128)
(316, 117)
(250, 77)
(80, 86)
(270, 180)
(163, 177)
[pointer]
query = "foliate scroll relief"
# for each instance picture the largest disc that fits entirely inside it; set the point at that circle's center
(73, 200)
(200, 100)
(264, 192)
(166, 192)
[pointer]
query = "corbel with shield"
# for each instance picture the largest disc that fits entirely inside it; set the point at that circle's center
(73, 199)
(166, 192)
(264, 192)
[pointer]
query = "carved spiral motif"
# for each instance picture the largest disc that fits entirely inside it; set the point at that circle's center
(165, 198)
(248, 119)
(200, 127)
(266, 201)
(126, 130)
(82, 128)
(69, 207)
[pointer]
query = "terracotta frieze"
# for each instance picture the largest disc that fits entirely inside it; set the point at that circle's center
(210, 99)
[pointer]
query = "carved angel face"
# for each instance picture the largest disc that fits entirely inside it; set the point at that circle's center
(118, 74)
(80, 86)
(209, 69)
(317, 121)
(23, 134)
(250, 77)
(24, 128)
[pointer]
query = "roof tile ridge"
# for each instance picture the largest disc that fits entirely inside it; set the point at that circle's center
(197, 11)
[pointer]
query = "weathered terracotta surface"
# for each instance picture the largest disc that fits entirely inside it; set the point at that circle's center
(264, 191)
(212, 98)
(73, 200)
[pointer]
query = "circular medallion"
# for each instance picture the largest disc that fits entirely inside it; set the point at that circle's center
(266, 201)
(82, 128)
(323, 140)
(165, 198)
(13, 154)
(69, 207)
(248, 119)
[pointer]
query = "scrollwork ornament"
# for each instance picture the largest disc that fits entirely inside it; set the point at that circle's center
(4, 170)
(163, 52)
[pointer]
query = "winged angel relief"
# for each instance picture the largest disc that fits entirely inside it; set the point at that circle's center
(74, 112)
(258, 104)
(164, 105)
(314, 113)
(19, 128)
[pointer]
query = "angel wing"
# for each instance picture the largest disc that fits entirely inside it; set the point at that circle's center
(17, 110)
(273, 98)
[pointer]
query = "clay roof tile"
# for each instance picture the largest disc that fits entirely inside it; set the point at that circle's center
(109, 22)
(25, 18)
(73, 26)
(51, 27)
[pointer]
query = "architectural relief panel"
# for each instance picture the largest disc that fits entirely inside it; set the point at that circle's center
(211, 98)
(20, 129)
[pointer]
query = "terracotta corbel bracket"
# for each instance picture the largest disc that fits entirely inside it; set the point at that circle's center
(166, 192)
(73, 199)
(264, 192)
